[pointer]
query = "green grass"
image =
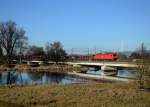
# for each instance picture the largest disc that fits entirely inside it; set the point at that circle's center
(76, 95)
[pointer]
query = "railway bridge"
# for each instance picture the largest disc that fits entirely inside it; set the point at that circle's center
(107, 66)
(104, 65)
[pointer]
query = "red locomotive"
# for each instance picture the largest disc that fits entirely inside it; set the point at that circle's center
(105, 56)
(95, 57)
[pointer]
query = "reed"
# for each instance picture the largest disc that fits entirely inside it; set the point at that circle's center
(48, 68)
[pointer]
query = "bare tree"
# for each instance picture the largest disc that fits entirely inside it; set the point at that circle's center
(144, 74)
(122, 56)
(22, 46)
(144, 68)
(141, 53)
(55, 51)
(10, 37)
(1, 55)
(37, 53)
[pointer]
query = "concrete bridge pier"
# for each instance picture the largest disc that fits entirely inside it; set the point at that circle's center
(107, 70)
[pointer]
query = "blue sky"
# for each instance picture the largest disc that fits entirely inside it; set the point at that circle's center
(82, 23)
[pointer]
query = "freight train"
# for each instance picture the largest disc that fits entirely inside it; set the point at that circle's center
(95, 57)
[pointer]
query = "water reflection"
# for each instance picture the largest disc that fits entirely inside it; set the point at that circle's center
(119, 73)
(127, 74)
(39, 78)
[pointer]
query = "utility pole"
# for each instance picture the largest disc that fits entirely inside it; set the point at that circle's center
(88, 54)
(122, 46)
(122, 50)
(72, 50)
(94, 49)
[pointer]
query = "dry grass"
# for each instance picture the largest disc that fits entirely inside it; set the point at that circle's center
(76, 95)
(4, 68)
(49, 68)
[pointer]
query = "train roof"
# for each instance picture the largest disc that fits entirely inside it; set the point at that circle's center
(107, 53)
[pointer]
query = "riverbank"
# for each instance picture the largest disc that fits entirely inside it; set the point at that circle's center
(48, 68)
(75, 95)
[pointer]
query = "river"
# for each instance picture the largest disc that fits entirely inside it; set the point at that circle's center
(14, 77)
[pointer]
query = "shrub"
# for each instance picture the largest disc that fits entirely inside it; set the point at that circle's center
(144, 76)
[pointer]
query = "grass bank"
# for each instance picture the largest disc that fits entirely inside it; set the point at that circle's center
(49, 68)
(75, 95)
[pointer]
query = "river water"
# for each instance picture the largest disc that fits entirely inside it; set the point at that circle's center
(14, 77)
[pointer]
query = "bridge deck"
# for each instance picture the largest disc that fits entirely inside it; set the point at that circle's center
(111, 64)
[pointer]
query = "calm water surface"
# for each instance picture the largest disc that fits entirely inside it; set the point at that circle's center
(14, 77)
(120, 73)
